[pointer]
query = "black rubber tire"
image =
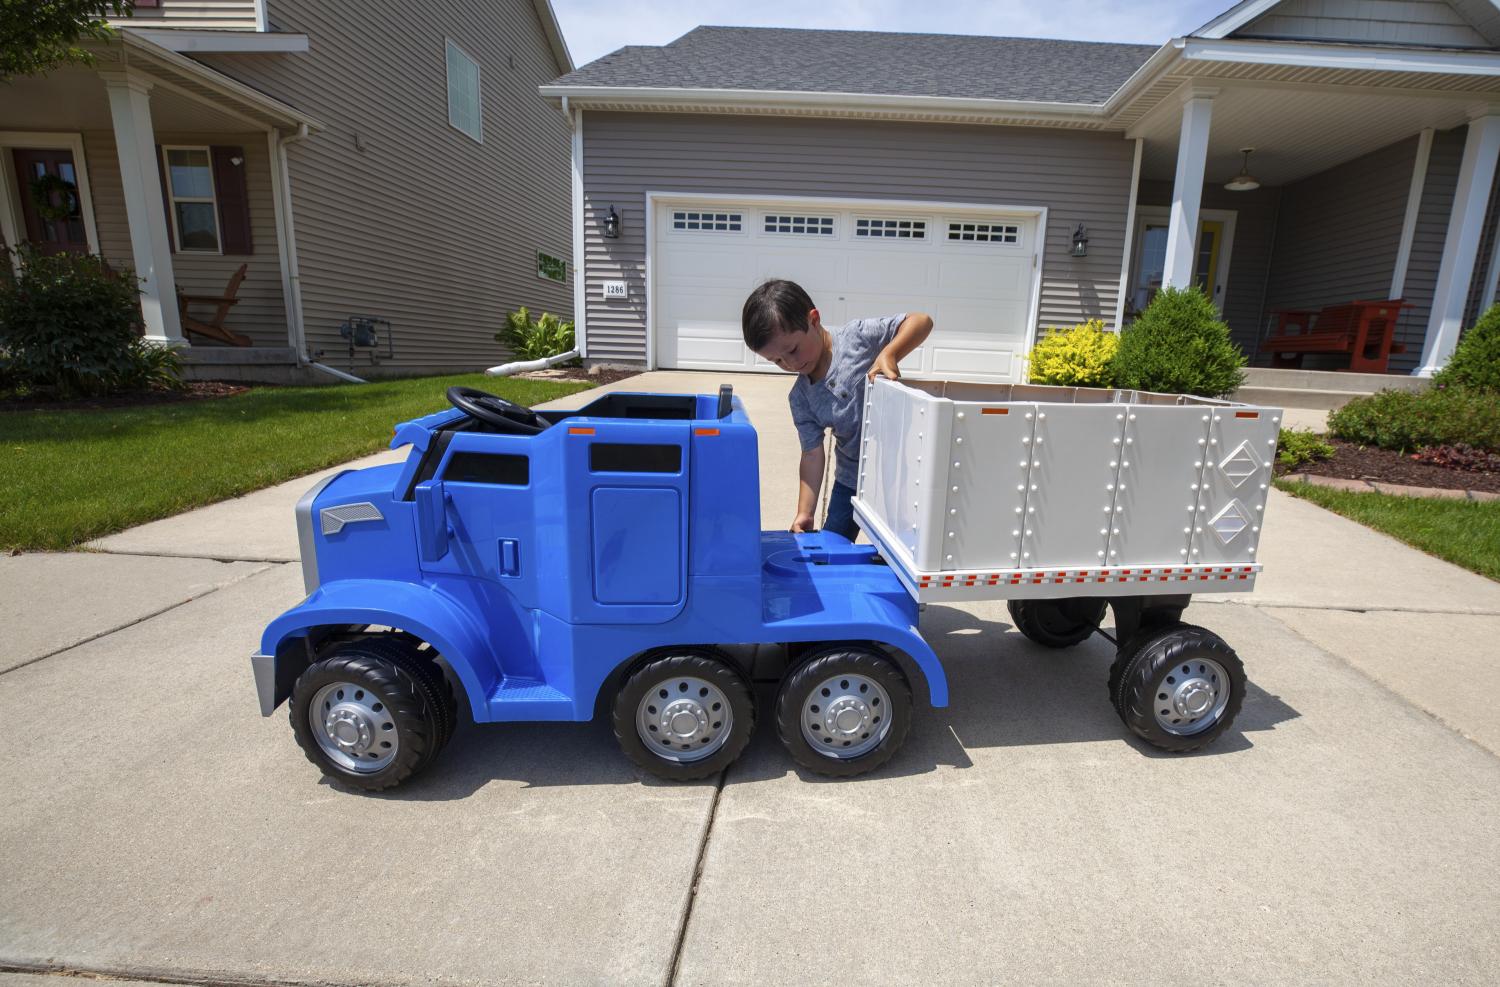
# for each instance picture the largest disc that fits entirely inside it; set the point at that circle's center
(1057, 623)
(825, 664)
(708, 664)
(407, 654)
(415, 713)
(1157, 655)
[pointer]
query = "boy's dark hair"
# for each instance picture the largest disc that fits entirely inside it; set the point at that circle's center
(777, 305)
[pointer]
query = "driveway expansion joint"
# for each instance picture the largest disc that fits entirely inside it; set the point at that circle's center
(687, 911)
(70, 972)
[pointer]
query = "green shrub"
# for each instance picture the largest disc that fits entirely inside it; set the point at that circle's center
(70, 327)
(1476, 362)
(1179, 345)
(1076, 357)
(535, 339)
(1301, 445)
(1404, 420)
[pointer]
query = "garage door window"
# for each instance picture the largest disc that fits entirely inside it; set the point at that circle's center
(985, 232)
(890, 229)
(707, 222)
(800, 225)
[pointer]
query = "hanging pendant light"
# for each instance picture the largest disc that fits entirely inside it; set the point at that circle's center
(1244, 181)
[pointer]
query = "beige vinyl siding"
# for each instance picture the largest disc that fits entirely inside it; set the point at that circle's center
(1427, 245)
(261, 310)
(398, 214)
(1249, 255)
(1078, 177)
(1406, 22)
(1339, 231)
(203, 14)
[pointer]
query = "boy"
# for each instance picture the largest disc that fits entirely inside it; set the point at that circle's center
(833, 368)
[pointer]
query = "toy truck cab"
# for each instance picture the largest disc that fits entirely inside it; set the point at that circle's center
(563, 562)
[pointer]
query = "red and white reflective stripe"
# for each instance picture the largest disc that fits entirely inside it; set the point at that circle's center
(1039, 577)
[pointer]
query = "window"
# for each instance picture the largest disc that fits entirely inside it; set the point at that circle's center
(190, 191)
(463, 92)
(891, 229)
(718, 222)
(985, 232)
(805, 225)
(483, 467)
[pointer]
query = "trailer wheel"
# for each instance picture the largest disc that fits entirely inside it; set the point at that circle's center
(1181, 688)
(1057, 623)
(844, 711)
(366, 720)
(685, 715)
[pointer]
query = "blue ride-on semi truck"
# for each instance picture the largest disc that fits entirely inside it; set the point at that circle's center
(562, 565)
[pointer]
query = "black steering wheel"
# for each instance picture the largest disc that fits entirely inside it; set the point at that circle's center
(495, 411)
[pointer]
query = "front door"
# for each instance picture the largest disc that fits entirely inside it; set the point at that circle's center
(48, 188)
(1210, 260)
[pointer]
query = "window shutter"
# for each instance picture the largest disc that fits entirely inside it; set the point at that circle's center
(234, 200)
(166, 200)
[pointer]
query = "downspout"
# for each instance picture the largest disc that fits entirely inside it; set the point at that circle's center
(299, 327)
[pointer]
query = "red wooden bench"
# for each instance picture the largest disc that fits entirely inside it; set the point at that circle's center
(1364, 330)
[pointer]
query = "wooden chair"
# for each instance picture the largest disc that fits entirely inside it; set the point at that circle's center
(1364, 330)
(214, 327)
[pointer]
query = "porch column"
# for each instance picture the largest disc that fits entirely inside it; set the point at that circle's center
(1187, 188)
(1461, 248)
(140, 175)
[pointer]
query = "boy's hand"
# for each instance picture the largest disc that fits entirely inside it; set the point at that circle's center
(885, 366)
(804, 522)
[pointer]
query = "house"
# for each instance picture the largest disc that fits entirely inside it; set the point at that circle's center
(358, 162)
(1009, 185)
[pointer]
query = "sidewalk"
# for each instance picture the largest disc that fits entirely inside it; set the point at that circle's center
(159, 828)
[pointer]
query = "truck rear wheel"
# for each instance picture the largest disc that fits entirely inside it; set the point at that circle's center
(1180, 688)
(365, 720)
(685, 715)
(844, 711)
(1057, 623)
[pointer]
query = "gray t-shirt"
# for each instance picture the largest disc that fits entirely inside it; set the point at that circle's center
(837, 401)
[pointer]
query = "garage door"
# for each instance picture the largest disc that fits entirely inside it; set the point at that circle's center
(973, 272)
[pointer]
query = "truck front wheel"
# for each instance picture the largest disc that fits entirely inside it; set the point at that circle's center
(685, 715)
(844, 711)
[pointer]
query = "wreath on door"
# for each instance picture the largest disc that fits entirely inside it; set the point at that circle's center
(42, 190)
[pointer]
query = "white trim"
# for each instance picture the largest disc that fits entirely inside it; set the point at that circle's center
(478, 90)
(1358, 58)
(580, 281)
(173, 198)
(1234, 18)
(555, 39)
(1039, 246)
(1161, 215)
(261, 21)
(1128, 251)
(281, 208)
(216, 81)
(1476, 177)
(1187, 189)
(183, 40)
(1413, 208)
(12, 222)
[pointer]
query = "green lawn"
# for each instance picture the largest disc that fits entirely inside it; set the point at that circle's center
(1463, 532)
(68, 476)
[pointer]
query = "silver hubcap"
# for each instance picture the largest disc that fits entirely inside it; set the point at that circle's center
(846, 716)
(684, 719)
(1191, 697)
(353, 727)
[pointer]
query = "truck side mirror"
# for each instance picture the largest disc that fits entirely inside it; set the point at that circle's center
(432, 520)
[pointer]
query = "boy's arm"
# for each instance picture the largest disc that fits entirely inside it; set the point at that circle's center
(809, 480)
(912, 332)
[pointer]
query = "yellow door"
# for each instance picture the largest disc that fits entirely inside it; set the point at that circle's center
(1206, 272)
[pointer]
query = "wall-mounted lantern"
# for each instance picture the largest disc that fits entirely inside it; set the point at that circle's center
(612, 225)
(1081, 241)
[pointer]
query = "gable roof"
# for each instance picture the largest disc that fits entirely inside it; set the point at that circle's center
(1482, 15)
(871, 62)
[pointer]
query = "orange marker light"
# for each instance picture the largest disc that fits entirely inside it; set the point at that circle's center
(705, 431)
(995, 411)
(580, 431)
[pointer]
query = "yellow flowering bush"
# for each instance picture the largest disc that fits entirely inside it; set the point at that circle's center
(1076, 357)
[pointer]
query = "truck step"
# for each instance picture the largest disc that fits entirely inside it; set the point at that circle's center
(529, 699)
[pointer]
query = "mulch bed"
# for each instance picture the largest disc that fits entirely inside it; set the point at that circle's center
(1353, 462)
(197, 390)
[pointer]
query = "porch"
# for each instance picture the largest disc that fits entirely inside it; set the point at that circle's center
(1371, 175)
(172, 170)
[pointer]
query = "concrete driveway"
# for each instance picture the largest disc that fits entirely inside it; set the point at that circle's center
(156, 828)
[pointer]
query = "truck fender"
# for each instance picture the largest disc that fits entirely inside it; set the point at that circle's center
(898, 632)
(419, 609)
